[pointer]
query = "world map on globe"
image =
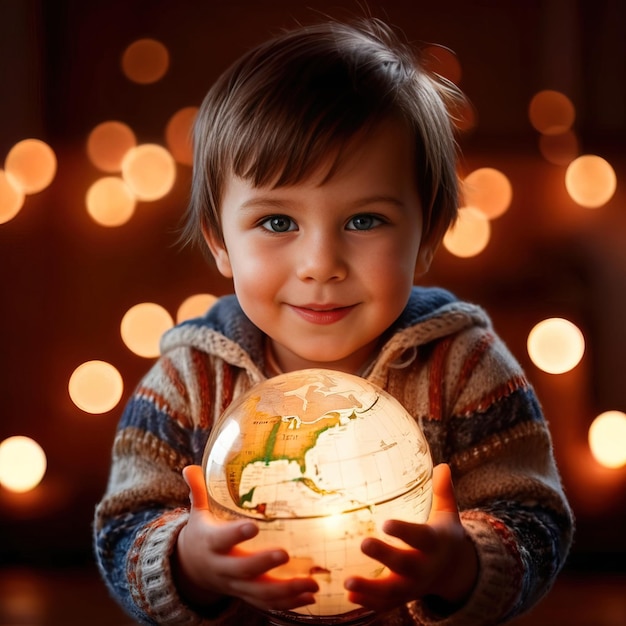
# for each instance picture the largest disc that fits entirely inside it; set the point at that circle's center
(319, 459)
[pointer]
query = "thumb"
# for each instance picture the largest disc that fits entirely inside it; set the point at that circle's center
(444, 499)
(194, 477)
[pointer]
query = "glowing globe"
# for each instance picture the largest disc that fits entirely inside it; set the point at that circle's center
(319, 460)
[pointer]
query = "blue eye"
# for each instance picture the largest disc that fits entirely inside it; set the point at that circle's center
(363, 222)
(279, 224)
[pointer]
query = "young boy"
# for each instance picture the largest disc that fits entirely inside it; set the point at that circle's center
(324, 179)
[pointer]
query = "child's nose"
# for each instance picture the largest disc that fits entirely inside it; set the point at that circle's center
(321, 258)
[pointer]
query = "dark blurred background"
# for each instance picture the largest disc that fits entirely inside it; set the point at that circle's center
(65, 282)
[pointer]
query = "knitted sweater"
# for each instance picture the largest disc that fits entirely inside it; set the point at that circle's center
(441, 360)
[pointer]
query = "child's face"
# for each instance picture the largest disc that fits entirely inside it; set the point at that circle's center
(323, 268)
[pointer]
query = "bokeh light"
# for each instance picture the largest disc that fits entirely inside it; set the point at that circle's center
(110, 202)
(22, 463)
(142, 327)
(178, 135)
(149, 170)
(108, 143)
(590, 181)
(488, 190)
(556, 345)
(25, 597)
(32, 165)
(551, 112)
(470, 234)
(559, 149)
(607, 439)
(11, 198)
(145, 61)
(96, 387)
(195, 306)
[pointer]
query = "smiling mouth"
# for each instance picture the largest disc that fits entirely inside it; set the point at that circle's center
(322, 315)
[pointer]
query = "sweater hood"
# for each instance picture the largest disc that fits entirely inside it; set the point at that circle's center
(226, 332)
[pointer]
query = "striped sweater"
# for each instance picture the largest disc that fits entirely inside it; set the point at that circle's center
(441, 360)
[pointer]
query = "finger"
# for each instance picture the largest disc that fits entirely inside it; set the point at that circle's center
(378, 550)
(237, 564)
(404, 562)
(418, 536)
(444, 499)
(225, 537)
(290, 603)
(444, 514)
(268, 589)
(368, 600)
(277, 595)
(380, 594)
(194, 477)
(422, 536)
(287, 603)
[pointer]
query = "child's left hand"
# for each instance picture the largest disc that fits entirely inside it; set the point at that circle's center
(439, 559)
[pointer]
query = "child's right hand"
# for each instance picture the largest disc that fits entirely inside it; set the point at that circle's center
(209, 563)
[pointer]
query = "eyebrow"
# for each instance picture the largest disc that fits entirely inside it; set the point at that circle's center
(268, 202)
(262, 202)
(379, 199)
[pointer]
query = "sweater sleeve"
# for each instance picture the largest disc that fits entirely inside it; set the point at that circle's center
(489, 427)
(163, 428)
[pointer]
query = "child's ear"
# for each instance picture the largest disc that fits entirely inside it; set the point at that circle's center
(424, 258)
(218, 250)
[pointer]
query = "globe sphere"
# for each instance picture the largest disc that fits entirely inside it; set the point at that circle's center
(319, 459)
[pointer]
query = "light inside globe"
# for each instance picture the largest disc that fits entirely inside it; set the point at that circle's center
(319, 460)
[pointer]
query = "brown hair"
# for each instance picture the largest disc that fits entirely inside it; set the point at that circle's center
(285, 106)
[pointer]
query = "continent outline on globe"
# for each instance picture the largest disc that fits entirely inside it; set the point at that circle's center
(302, 436)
